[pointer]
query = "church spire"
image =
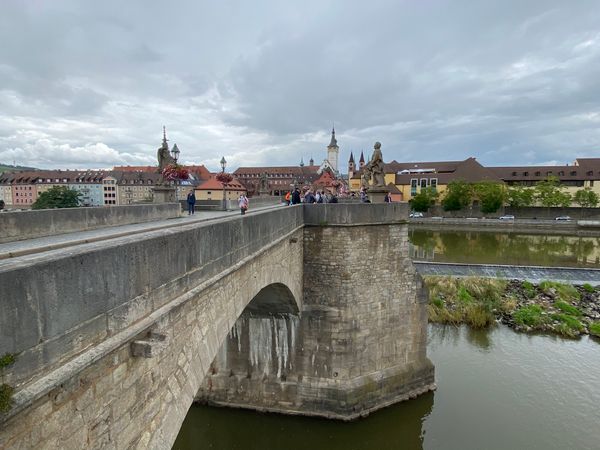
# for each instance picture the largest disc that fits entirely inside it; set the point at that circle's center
(333, 142)
(351, 157)
(164, 136)
(301, 162)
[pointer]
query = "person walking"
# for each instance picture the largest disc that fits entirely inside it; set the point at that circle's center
(191, 202)
(243, 203)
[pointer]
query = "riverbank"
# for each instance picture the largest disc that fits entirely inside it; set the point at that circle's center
(547, 307)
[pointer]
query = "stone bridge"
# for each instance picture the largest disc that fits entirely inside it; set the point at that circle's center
(114, 339)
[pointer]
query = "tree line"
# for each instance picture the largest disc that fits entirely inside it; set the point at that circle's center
(491, 196)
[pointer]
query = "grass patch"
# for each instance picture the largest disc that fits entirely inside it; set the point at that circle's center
(530, 315)
(6, 399)
(595, 329)
(588, 288)
(567, 308)
(463, 295)
(565, 291)
(569, 325)
(529, 289)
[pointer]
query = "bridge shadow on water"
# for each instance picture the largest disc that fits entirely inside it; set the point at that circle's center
(396, 427)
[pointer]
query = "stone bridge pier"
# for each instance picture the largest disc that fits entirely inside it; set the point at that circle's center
(312, 309)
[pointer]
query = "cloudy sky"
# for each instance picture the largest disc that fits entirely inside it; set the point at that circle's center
(89, 84)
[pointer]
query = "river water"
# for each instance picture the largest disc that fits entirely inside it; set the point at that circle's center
(477, 247)
(497, 389)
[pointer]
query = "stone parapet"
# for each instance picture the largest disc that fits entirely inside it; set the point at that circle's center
(22, 225)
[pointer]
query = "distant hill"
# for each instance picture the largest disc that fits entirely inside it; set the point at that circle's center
(11, 168)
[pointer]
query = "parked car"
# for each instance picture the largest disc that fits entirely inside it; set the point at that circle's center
(416, 215)
(507, 217)
(562, 218)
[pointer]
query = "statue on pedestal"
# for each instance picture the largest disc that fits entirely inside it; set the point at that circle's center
(163, 154)
(374, 170)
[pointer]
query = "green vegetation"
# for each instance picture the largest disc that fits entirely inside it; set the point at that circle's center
(465, 300)
(595, 329)
(530, 315)
(6, 360)
(550, 193)
(529, 289)
(57, 197)
(458, 196)
(424, 199)
(569, 326)
(491, 195)
(520, 196)
(586, 198)
(565, 291)
(6, 392)
(567, 308)
(588, 288)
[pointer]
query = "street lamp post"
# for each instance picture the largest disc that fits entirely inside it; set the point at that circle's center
(223, 164)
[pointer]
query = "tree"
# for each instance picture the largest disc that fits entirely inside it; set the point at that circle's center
(57, 197)
(519, 196)
(550, 193)
(491, 195)
(586, 198)
(458, 196)
(424, 199)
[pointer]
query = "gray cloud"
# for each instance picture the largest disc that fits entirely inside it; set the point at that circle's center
(91, 84)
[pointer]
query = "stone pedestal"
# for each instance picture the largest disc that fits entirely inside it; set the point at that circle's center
(377, 195)
(164, 194)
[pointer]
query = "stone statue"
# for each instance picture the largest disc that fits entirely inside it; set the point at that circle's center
(163, 154)
(264, 183)
(374, 169)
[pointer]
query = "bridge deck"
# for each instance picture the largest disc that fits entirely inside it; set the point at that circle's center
(533, 274)
(42, 244)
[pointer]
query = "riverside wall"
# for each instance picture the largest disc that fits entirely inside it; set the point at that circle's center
(359, 342)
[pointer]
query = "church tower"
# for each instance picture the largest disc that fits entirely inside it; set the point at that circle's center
(333, 151)
(351, 165)
(361, 161)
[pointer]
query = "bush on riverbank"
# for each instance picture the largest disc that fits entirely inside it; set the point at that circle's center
(548, 307)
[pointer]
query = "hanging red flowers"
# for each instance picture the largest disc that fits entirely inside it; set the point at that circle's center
(175, 172)
(224, 178)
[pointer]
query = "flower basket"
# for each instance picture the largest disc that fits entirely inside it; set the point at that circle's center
(174, 172)
(224, 178)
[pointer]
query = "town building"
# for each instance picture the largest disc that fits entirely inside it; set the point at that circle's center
(213, 189)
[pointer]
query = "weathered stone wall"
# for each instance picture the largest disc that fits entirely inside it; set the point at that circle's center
(360, 341)
(21, 225)
(57, 304)
(120, 401)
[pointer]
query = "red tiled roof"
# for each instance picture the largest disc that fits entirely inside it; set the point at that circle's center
(214, 185)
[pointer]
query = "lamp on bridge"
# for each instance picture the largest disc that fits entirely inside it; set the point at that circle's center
(223, 164)
(175, 152)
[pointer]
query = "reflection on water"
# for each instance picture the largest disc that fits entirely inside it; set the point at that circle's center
(496, 390)
(477, 247)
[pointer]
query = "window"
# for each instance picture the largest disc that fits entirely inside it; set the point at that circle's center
(549, 172)
(525, 174)
(573, 173)
(413, 186)
(538, 174)
(561, 173)
(514, 174)
(433, 183)
(423, 183)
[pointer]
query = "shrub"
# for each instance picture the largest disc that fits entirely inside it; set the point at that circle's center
(478, 316)
(530, 315)
(463, 295)
(595, 329)
(567, 308)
